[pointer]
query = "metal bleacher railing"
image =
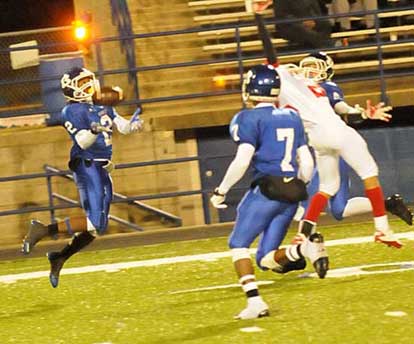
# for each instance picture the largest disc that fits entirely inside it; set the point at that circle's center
(240, 58)
(135, 201)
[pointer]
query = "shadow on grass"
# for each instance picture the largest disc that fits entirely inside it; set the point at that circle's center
(204, 332)
(32, 310)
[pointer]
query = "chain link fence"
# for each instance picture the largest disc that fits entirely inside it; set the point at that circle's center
(18, 87)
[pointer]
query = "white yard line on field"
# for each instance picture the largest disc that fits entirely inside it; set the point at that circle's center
(215, 287)
(170, 260)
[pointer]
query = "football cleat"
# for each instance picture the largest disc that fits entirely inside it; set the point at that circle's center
(387, 239)
(396, 206)
(291, 266)
(37, 231)
(56, 264)
(257, 309)
(314, 249)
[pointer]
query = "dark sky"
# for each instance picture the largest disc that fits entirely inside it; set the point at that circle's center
(16, 15)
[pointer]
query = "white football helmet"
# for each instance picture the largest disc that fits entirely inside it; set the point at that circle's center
(317, 66)
(79, 84)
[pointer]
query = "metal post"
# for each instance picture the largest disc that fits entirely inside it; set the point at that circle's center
(50, 195)
(384, 97)
(206, 208)
(99, 62)
(240, 59)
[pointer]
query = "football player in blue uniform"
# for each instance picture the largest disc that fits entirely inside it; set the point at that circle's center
(90, 128)
(319, 67)
(274, 141)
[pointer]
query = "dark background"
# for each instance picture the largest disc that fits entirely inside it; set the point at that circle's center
(19, 15)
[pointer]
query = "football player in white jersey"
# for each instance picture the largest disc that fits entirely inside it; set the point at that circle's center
(319, 67)
(332, 139)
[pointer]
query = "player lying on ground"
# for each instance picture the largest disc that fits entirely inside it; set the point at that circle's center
(274, 140)
(319, 67)
(90, 128)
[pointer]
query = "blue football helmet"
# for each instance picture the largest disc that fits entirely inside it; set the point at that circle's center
(317, 66)
(261, 84)
(79, 84)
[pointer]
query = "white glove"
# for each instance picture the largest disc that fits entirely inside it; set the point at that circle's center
(135, 122)
(379, 111)
(97, 128)
(217, 200)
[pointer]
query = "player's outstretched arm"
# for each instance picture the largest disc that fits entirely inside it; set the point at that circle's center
(377, 112)
(133, 125)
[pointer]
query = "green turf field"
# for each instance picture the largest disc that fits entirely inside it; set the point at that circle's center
(154, 305)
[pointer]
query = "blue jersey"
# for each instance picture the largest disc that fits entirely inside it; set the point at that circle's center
(275, 133)
(333, 92)
(79, 116)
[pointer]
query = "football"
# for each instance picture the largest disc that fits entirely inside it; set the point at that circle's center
(109, 96)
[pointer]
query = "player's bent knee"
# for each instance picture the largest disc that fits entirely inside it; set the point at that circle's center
(97, 227)
(237, 241)
(268, 261)
(240, 253)
(338, 214)
(331, 188)
(91, 228)
(369, 173)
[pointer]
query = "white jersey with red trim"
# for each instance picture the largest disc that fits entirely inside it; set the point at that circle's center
(327, 133)
(308, 99)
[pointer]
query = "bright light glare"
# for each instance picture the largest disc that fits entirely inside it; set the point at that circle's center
(80, 33)
(80, 30)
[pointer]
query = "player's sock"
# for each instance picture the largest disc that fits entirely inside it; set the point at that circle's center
(376, 198)
(381, 223)
(249, 286)
(305, 229)
(356, 206)
(79, 241)
(316, 205)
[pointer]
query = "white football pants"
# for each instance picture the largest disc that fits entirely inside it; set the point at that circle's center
(330, 143)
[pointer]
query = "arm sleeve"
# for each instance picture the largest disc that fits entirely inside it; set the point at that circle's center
(305, 161)
(237, 168)
(122, 124)
(85, 138)
(342, 108)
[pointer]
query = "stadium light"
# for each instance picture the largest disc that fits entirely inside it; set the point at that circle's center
(81, 31)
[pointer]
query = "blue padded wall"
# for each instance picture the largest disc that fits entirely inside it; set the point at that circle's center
(392, 148)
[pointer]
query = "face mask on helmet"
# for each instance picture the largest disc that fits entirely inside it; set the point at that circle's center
(318, 67)
(261, 84)
(79, 84)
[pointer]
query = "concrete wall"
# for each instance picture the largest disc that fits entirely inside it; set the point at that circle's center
(26, 150)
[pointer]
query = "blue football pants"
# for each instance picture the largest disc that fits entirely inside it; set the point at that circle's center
(258, 215)
(95, 190)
